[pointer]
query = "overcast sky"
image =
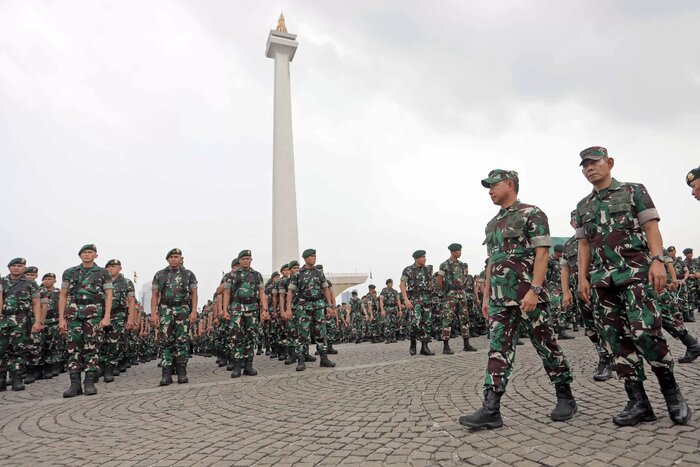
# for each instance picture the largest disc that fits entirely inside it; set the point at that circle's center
(142, 126)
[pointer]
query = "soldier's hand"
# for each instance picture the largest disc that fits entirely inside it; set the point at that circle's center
(155, 320)
(657, 276)
(37, 327)
(584, 290)
(193, 317)
(265, 316)
(383, 314)
(105, 323)
(529, 301)
(63, 327)
(673, 285)
(567, 299)
(226, 315)
(409, 305)
(485, 310)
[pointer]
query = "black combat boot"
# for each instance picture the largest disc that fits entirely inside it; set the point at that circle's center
(116, 371)
(692, 349)
(566, 404)
(17, 383)
(249, 370)
(3, 379)
(229, 365)
(282, 356)
(678, 409)
(688, 317)
(488, 416)
(291, 357)
(89, 383)
(331, 350)
(181, 369)
(446, 347)
(425, 350)
(275, 351)
(134, 360)
(638, 408)
(223, 362)
(30, 376)
(575, 325)
(267, 350)
(237, 368)
(56, 369)
(309, 358)
(387, 340)
(604, 370)
(412, 348)
(325, 362)
(108, 376)
(167, 376)
(46, 372)
(301, 366)
(467, 346)
(358, 341)
(563, 335)
(75, 389)
(259, 352)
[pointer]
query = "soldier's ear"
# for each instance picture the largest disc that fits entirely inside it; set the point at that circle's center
(611, 162)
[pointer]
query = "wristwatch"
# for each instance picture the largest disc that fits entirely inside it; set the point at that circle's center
(536, 289)
(661, 258)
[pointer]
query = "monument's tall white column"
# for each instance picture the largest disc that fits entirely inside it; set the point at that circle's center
(281, 47)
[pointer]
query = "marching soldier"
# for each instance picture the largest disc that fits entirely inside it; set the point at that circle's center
(416, 289)
(453, 278)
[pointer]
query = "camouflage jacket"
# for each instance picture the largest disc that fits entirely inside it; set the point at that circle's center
(50, 299)
(469, 291)
(123, 290)
(693, 266)
(454, 275)
(371, 303)
(175, 286)
(390, 297)
(355, 306)
(245, 285)
(570, 258)
(418, 279)
(611, 220)
(86, 285)
(554, 273)
(511, 239)
(308, 284)
(680, 267)
(17, 295)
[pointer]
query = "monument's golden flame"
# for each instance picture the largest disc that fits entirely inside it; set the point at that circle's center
(281, 26)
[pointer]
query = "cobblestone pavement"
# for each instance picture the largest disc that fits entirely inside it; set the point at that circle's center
(378, 406)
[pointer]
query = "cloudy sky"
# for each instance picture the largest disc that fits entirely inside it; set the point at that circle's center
(141, 126)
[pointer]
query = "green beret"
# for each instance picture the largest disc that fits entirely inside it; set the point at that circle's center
(293, 263)
(559, 248)
(692, 176)
(48, 275)
(244, 253)
(418, 253)
(308, 252)
(90, 246)
(21, 261)
(671, 248)
(319, 267)
(454, 247)
(234, 262)
(389, 281)
(31, 270)
(372, 286)
(687, 250)
(284, 266)
(174, 251)
(275, 274)
(594, 153)
(113, 262)
(498, 175)
(354, 292)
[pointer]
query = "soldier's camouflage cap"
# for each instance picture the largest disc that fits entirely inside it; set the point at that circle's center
(559, 248)
(454, 247)
(275, 274)
(31, 270)
(113, 262)
(594, 153)
(48, 275)
(293, 263)
(308, 252)
(21, 261)
(174, 251)
(234, 262)
(498, 175)
(372, 286)
(692, 176)
(283, 267)
(89, 246)
(687, 250)
(389, 281)
(244, 253)
(418, 253)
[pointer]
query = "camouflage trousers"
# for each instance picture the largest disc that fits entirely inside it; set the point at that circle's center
(391, 321)
(13, 341)
(311, 322)
(114, 342)
(244, 329)
(629, 323)
(374, 325)
(291, 328)
(173, 334)
(357, 326)
(54, 347)
(331, 330)
(421, 318)
(35, 345)
(589, 324)
(504, 322)
(556, 313)
(457, 305)
(671, 314)
(84, 336)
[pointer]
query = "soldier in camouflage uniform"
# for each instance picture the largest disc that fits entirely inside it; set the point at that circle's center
(53, 342)
(35, 343)
(569, 284)
(389, 303)
(416, 289)
(19, 297)
(223, 325)
(373, 322)
(271, 330)
(357, 317)
(693, 265)
(331, 320)
(621, 245)
(173, 311)
(692, 180)
(289, 314)
(281, 351)
(84, 310)
(314, 301)
(113, 353)
(682, 274)
(558, 316)
(453, 278)
(245, 305)
(518, 242)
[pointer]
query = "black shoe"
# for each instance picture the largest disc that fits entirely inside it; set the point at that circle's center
(116, 371)
(229, 365)
(575, 326)
(358, 341)
(282, 354)
(446, 347)
(249, 370)
(638, 408)
(3, 379)
(45, 372)
(75, 389)
(134, 360)
(237, 367)
(309, 358)
(108, 376)
(412, 348)
(301, 366)
(224, 362)
(267, 350)
(488, 416)
(30, 377)
(566, 404)
(56, 369)
(17, 383)
(519, 341)
(688, 318)
(182, 373)
(604, 370)
(425, 350)
(692, 349)
(167, 376)
(678, 409)
(331, 350)
(89, 383)
(467, 346)
(259, 352)
(291, 358)
(563, 336)
(325, 362)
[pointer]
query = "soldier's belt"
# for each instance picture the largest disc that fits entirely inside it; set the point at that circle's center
(86, 301)
(10, 312)
(167, 302)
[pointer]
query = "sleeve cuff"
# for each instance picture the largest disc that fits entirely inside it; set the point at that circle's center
(193, 286)
(441, 273)
(541, 241)
(292, 287)
(648, 215)
(107, 286)
(580, 234)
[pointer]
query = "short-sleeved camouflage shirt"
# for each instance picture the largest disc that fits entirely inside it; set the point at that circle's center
(511, 239)
(355, 305)
(390, 297)
(554, 273)
(86, 285)
(123, 290)
(418, 279)
(611, 220)
(246, 285)
(680, 267)
(454, 274)
(175, 286)
(308, 284)
(17, 295)
(50, 299)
